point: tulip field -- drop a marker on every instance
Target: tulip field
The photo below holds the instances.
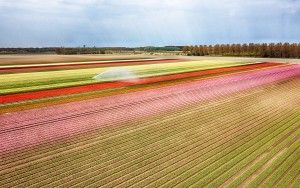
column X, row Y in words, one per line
column 150, row 122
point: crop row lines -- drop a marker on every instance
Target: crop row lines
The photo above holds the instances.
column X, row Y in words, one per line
column 113, row 129
column 175, row 168
column 246, row 176
column 123, row 142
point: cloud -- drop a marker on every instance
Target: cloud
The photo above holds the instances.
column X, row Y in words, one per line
column 149, row 22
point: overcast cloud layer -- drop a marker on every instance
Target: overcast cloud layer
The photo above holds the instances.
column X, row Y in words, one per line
column 146, row 22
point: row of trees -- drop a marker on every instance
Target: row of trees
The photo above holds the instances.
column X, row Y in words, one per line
column 278, row 50
column 72, row 51
column 88, row 50
column 27, row 50
column 65, row 50
column 160, row 49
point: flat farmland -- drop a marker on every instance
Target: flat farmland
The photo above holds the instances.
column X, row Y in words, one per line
column 42, row 59
column 150, row 122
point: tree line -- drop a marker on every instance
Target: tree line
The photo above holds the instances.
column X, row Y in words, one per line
column 273, row 50
column 49, row 50
column 276, row 50
column 65, row 50
column 88, row 50
column 109, row 50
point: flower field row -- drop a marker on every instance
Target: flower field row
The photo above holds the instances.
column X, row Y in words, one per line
column 108, row 85
column 214, row 125
column 36, row 81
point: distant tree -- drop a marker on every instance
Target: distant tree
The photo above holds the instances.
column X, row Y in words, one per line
column 286, row 53
column 251, row 49
column 270, row 50
column 217, row 49
column 238, row 49
column 194, row 50
column 205, row 50
column 244, row 50
column 263, row 50
column 186, row 50
column 210, row 50
column 298, row 50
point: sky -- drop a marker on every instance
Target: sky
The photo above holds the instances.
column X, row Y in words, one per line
column 132, row 23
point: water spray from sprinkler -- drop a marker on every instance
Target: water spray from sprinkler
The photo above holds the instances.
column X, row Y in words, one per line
column 117, row 74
